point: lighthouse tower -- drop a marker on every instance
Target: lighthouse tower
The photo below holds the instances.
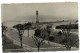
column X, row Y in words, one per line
column 37, row 19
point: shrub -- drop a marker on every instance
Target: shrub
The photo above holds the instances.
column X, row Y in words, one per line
column 51, row 38
column 63, row 41
column 37, row 32
column 59, row 33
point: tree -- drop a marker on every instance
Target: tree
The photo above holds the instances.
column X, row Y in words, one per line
column 68, row 40
column 59, row 33
column 38, row 38
column 48, row 31
column 68, row 30
column 69, row 43
column 51, row 38
column 4, row 29
column 62, row 28
column 27, row 26
column 37, row 33
column 20, row 29
column 38, row 42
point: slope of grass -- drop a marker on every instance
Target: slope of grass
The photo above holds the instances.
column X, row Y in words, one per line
column 9, row 46
column 59, row 39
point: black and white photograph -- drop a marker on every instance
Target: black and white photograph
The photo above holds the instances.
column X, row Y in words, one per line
column 40, row 27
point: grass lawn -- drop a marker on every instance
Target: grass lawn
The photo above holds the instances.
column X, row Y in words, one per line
column 9, row 46
column 58, row 39
column 30, row 42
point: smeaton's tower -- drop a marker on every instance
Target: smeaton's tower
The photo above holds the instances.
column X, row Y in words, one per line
column 37, row 19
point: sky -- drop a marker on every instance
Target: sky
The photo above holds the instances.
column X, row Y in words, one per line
column 47, row 11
